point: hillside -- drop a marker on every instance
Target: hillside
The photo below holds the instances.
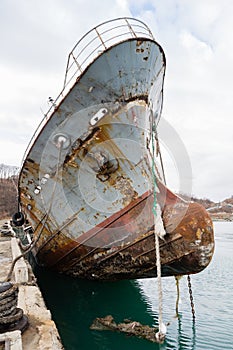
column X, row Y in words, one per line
column 222, row 210
column 218, row 211
column 8, row 190
column 8, row 197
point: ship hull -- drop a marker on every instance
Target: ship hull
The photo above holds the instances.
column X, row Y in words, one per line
column 187, row 247
column 86, row 185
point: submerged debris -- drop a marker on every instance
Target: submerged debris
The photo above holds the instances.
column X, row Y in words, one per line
column 129, row 327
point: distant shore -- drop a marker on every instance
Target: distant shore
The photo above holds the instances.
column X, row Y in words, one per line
column 222, row 217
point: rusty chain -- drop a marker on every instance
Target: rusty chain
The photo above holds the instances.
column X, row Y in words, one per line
column 191, row 297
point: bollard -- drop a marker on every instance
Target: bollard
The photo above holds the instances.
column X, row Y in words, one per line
column 11, row 317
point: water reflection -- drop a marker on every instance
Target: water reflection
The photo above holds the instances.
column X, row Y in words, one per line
column 76, row 303
column 181, row 331
column 186, row 340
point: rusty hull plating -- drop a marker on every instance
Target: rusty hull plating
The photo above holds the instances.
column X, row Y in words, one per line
column 86, row 184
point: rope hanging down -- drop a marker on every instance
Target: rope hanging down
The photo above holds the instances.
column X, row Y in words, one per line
column 158, row 152
column 158, row 232
column 177, row 278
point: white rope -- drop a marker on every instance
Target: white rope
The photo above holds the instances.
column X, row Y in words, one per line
column 160, row 335
column 158, row 232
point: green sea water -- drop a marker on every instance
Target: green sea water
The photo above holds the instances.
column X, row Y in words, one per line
column 74, row 304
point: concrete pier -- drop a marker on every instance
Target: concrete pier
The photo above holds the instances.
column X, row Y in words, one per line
column 42, row 333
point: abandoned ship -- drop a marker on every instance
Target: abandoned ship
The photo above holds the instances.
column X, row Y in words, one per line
column 89, row 185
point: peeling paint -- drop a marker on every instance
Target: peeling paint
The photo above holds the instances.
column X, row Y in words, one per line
column 90, row 202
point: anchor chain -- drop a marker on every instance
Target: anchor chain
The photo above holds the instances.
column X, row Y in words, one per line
column 191, row 297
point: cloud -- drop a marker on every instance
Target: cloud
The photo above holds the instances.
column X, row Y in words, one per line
column 196, row 37
column 36, row 38
column 198, row 50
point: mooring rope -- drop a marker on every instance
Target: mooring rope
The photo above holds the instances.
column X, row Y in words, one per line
column 158, row 152
column 44, row 218
column 177, row 278
column 160, row 335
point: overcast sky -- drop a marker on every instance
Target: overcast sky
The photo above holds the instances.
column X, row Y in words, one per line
column 196, row 35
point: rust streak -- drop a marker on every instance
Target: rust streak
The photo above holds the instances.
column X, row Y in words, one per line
column 96, row 230
column 67, row 223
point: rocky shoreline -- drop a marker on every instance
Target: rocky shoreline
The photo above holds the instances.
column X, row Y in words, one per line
column 222, row 217
column 219, row 211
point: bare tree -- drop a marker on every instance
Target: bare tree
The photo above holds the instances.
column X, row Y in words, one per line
column 8, row 190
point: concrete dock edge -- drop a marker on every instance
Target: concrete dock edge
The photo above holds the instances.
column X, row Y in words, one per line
column 42, row 333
